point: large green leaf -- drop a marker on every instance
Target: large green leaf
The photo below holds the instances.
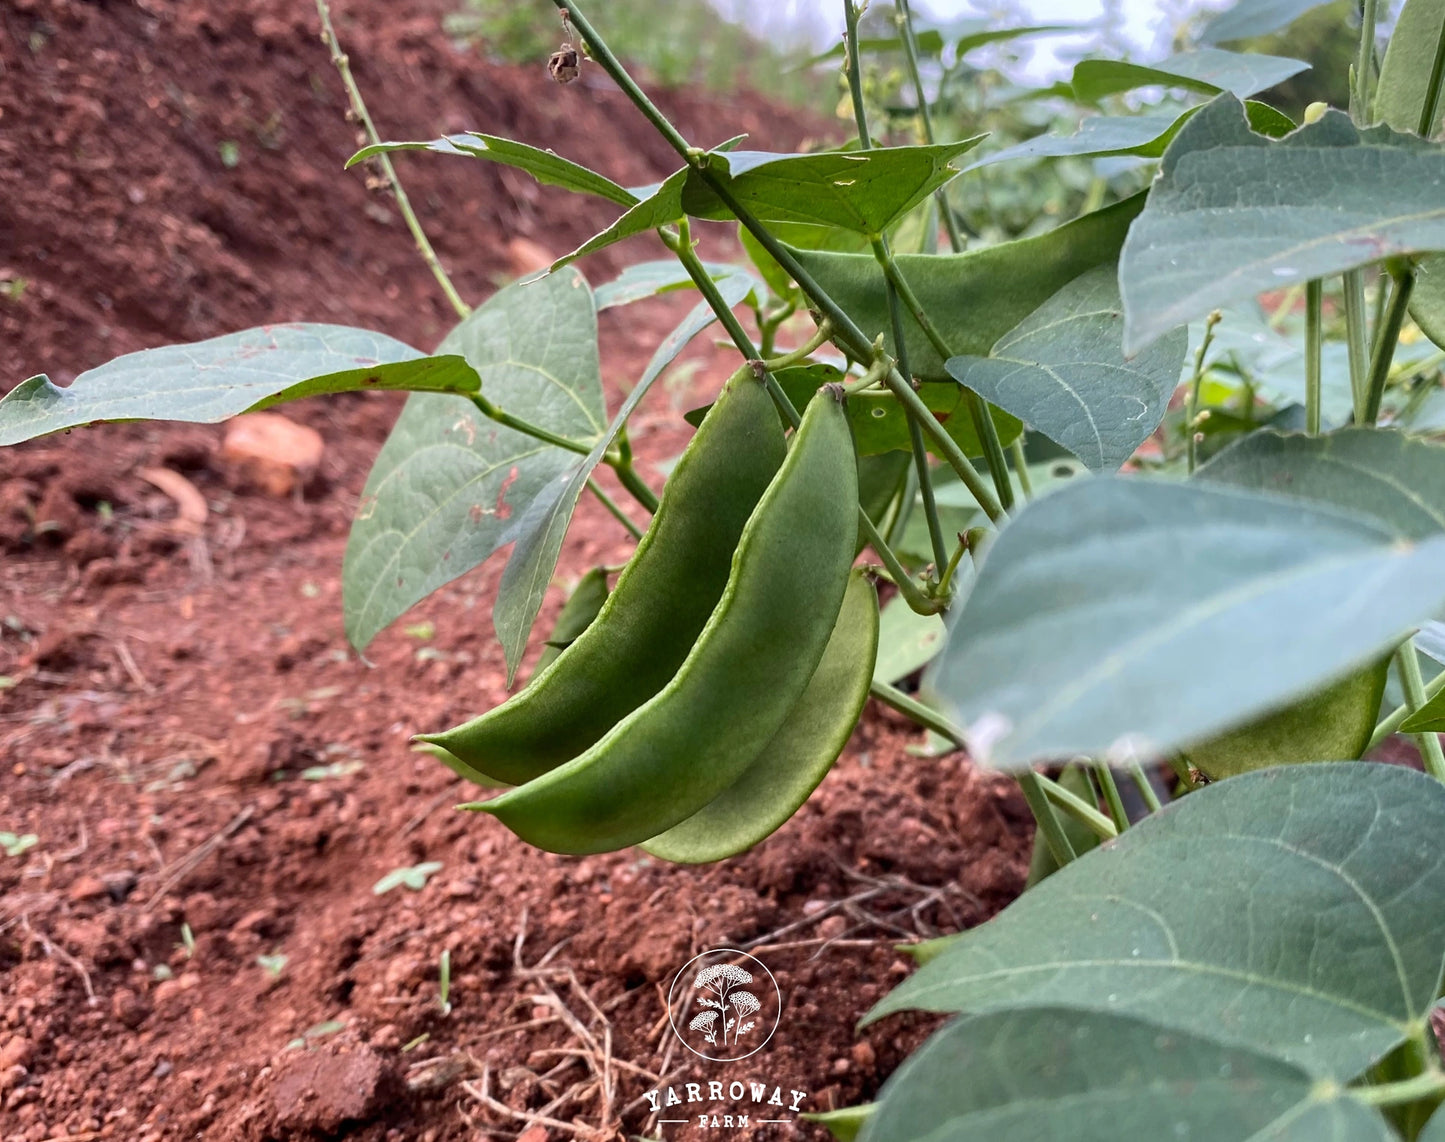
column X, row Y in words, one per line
column 1409, row 60
column 1234, row 214
column 1206, row 70
column 1125, row 618
column 1062, row 370
column 1053, row 1074
column 540, row 530
column 862, row 191
column 545, row 166
column 450, row 484
column 1312, row 926
column 907, row 641
column 662, row 205
column 208, row 381
column 1251, row 18
column 1429, row 718
column 1143, row 136
column 976, row 297
column 1396, row 480
column 1427, row 303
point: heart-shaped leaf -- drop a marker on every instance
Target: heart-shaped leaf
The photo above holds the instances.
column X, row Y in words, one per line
column 1313, row 928
column 976, row 297
column 1206, row 70
column 444, row 491
column 1062, row 370
column 1054, row 1074
column 1126, row 618
column 543, row 526
column 1396, row 480
column 209, row 381
column 1234, row 214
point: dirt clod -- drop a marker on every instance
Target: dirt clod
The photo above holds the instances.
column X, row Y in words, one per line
column 319, row 1092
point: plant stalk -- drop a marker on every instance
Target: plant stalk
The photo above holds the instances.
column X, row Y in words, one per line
column 1387, row 338
column 612, row 506
column 1314, row 335
column 1191, row 409
column 1105, row 776
column 1358, row 332
column 904, row 21
column 358, row 108
column 1048, row 820
column 1364, row 64
column 1021, row 467
column 1408, row 663
column 1430, row 110
column 1422, row 1086
column 1145, row 786
column 1391, row 722
column 1078, row 808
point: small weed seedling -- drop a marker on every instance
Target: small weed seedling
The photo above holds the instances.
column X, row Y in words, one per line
column 1246, row 313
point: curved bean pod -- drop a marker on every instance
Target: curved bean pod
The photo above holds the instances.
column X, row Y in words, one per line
column 751, row 664
column 790, row 767
column 661, row 602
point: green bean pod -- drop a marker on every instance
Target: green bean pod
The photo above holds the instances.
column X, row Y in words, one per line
column 790, row 767
column 751, row 664
column 661, row 602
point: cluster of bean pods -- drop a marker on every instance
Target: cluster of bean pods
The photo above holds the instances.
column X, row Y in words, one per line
column 721, row 678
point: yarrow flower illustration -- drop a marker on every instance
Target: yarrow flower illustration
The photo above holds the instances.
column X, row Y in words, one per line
column 724, row 980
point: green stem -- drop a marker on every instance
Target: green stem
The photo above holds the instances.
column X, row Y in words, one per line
column 820, row 338
column 1364, row 64
column 1387, row 338
column 917, row 601
column 1145, row 786
column 916, row 711
column 1314, row 334
column 628, row 477
column 915, row 432
column 1181, row 771
column 536, row 431
column 1392, row 721
column 1021, row 467
column 363, row 116
column 983, row 425
column 1191, row 409
column 1047, row 818
column 1117, row 812
column 1359, row 340
column 1426, row 1085
column 1408, row 663
column 904, row 21
column 612, row 506
column 1076, row 807
column 1431, row 107
column 855, row 77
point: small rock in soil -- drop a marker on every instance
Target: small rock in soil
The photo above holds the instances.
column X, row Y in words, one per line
column 269, row 452
column 322, row 1091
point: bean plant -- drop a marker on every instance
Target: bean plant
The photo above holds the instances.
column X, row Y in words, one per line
column 1247, row 610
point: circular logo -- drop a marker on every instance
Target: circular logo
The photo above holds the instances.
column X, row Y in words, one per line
column 724, row 1005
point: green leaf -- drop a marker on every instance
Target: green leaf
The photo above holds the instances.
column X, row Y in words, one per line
column 862, row 191
column 1333, row 724
column 1251, row 18
column 1062, row 370
column 1434, row 1129
column 928, row 41
column 1143, row 136
column 1427, row 303
column 1409, row 60
column 1042, row 864
column 842, row 1124
column 967, row 43
column 663, row 204
column 976, row 297
column 545, row 166
column 414, row 878
column 1396, row 480
column 1053, row 1074
column 1312, row 927
column 1205, row 70
column 1429, row 718
column 649, row 279
column 907, row 641
column 450, row 485
column 1233, row 214
column 209, row 381
column 538, row 534
column 1125, row 618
